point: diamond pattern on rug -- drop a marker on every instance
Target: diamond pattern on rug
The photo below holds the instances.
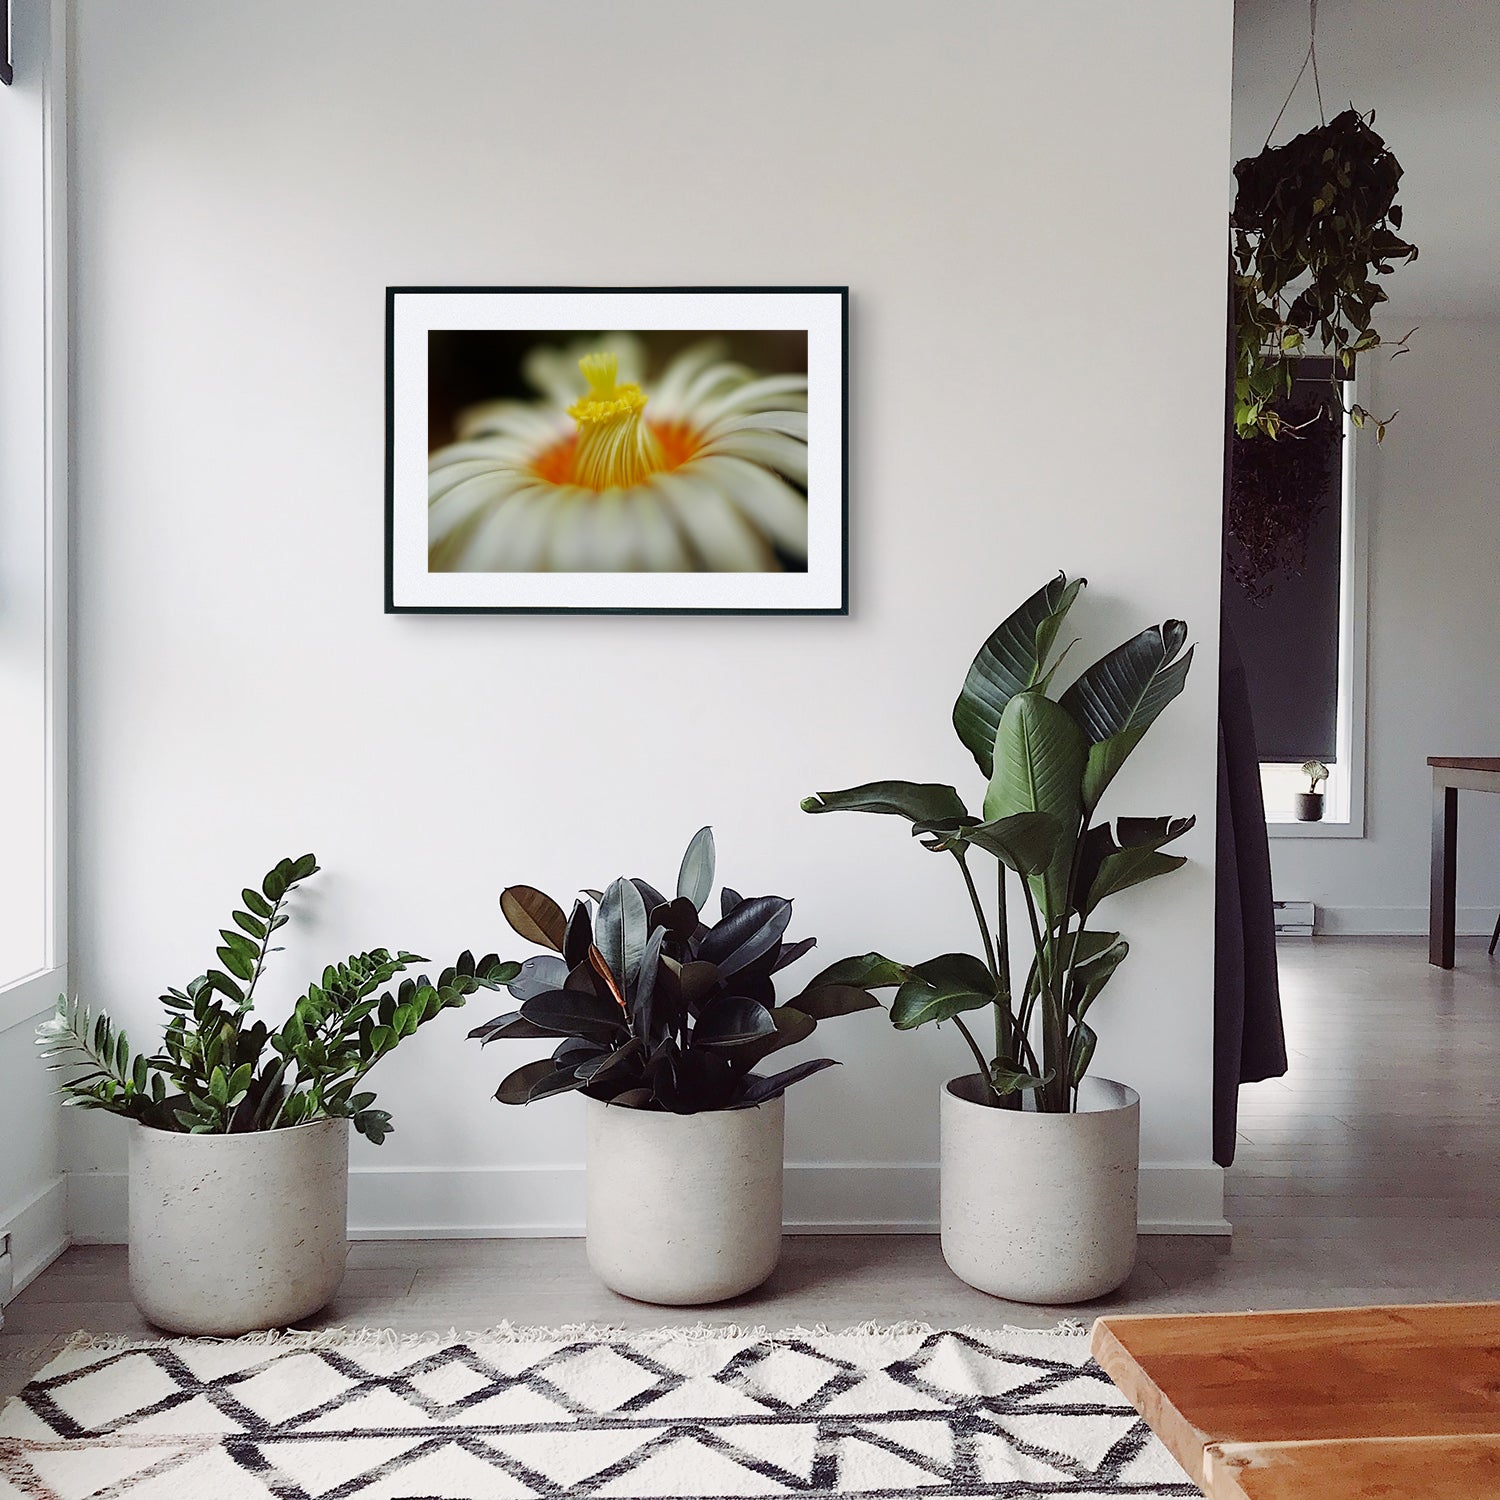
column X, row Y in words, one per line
column 681, row 1414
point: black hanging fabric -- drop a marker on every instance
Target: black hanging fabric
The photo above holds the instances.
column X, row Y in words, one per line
column 1249, row 1043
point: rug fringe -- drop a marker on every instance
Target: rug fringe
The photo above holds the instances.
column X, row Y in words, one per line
column 292, row 1339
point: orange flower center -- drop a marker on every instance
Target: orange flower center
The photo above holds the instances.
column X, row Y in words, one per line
column 613, row 445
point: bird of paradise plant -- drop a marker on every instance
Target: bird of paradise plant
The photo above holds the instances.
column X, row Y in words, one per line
column 1048, row 762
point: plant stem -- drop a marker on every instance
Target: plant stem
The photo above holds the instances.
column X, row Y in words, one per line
column 984, row 1067
column 1005, row 1020
column 265, row 948
column 984, row 930
column 1052, row 1058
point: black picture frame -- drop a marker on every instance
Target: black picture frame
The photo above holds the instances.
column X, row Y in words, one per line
column 833, row 570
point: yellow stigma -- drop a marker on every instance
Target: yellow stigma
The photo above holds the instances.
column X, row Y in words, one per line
column 615, row 448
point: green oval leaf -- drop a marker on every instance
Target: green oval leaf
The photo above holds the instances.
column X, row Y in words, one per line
column 695, row 878
column 919, row 801
column 940, row 989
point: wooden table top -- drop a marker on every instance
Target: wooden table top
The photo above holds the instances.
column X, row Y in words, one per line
column 1331, row 1376
column 1465, row 762
column 1434, row 1468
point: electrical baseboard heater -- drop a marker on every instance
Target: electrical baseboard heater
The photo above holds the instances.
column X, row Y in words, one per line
column 1295, row 918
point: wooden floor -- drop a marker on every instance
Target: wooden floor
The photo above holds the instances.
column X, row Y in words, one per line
column 1370, row 1174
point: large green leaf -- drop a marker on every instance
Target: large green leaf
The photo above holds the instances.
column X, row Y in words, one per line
column 1006, row 1078
column 920, row 801
column 868, row 971
column 1040, row 756
column 695, row 878
column 1114, row 859
column 1013, row 660
column 1025, row 842
column 828, row 1000
column 1118, row 698
column 1099, row 955
column 940, row 989
column 1080, row 1052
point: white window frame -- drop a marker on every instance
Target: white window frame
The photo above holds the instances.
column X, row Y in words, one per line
column 1344, row 791
column 40, row 50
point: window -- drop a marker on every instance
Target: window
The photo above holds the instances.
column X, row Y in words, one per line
column 1295, row 597
column 33, row 548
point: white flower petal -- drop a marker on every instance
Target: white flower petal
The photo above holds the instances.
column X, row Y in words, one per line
column 443, row 479
column 512, row 538
column 766, row 500
column 457, row 504
column 512, row 419
column 660, row 544
column 774, row 392
column 792, row 423
column 667, row 392
column 712, row 380
column 496, row 450
column 594, row 532
column 719, row 534
column 772, row 449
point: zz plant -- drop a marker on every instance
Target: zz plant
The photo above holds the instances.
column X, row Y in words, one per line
column 1047, row 762
column 221, row 1071
column 656, row 1009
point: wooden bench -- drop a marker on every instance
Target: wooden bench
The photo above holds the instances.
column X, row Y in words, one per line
column 1341, row 1404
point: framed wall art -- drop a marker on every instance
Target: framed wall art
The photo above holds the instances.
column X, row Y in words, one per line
column 665, row 450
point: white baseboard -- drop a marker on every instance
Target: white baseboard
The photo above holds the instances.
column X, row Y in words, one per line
column 1399, row 921
column 38, row 1229
column 537, row 1202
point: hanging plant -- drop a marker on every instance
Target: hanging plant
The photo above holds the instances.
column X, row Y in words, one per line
column 1278, row 492
column 1314, row 225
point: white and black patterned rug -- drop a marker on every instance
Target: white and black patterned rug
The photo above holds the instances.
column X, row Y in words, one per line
column 906, row 1411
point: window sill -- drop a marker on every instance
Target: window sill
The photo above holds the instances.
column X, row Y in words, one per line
column 1327, row 828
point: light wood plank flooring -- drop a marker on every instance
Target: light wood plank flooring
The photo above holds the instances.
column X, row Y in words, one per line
column 1370, row 1173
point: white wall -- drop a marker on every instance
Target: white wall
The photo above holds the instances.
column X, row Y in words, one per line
column 1434, row 666
column 1028, row 204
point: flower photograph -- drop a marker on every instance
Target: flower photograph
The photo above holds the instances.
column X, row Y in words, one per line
column 687, row 464
column 658, row 452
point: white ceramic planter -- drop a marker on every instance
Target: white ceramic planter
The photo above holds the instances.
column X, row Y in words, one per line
column 1041, row 1207
column 684, row 1209
column 230, row 1233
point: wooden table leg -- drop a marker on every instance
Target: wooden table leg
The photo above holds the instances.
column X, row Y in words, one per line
column 1443, row 898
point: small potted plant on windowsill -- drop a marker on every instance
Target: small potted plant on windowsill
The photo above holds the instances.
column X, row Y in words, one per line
column 239, row 1135
column 1308, row 805
column 662, row 1020
column 1039, row 1161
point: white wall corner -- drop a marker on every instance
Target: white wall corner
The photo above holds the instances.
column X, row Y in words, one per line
column 542, row 1202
